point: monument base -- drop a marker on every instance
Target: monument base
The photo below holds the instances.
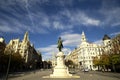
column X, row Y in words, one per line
column 60, row 70
column 61, row 76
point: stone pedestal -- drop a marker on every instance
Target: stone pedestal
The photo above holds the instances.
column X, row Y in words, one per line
column 60, row 69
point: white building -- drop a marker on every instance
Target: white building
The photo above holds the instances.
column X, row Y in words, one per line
column 86, row 52
column 54, row 60
column 73, row 56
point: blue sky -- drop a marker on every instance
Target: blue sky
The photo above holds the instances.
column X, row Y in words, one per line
column 46, row 20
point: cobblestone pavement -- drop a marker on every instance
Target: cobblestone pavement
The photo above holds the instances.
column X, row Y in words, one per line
column 93, row 75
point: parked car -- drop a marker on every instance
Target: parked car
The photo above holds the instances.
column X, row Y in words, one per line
column 72, row 72
column 85, row 70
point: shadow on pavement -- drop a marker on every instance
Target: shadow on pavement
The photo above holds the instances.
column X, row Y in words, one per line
column 109, row 74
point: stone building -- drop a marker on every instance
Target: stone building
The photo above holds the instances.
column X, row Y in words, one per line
column 54, row 60
column 2, row 57
column 84, row 54
column 111, row 46
column 107, row 44
column 25, row 49
column 115, row 42
column 73, row 56
column 2, row 45
column 2, row 48
column 87, row 51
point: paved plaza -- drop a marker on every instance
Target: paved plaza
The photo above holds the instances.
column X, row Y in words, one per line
column 92, row 75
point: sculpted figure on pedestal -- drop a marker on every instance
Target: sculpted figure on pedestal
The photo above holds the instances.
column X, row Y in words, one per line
column 60, row 45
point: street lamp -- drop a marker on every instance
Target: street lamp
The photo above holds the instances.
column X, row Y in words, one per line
column 43, row 64
column 9, row 63
column 35, row 65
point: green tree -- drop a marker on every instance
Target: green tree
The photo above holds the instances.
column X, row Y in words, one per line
column 16, row 61
column 115, row 59
column 69, row 63
column 96, row 61
column 105, row 59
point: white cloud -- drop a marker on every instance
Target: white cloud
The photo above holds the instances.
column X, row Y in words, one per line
column 98, row 42
column 18, row 25
column 71, row 39
column 12, row 24
column 46, row 22
column 116, row 33
column 89, row 21
column 115, row 24
column 110, row 11
column 50, row 48
column 58, row 25
column 6, row 29
column 79, row 17
column 47, row 52
column 39, row 21
column 66, row 50
column 27, row 21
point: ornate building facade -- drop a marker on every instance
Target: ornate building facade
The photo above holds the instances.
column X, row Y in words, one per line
column 116, row 44
column 25, row 49
column 84, row 54
column 107, row 44
column 111, row 46
column 73, row 56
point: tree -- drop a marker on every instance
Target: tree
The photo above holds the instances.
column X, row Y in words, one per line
column 16, row 62
column 105, row 59
column 69, row 63
column 115, row 59
column 3, row 58
column 115, row 53
column 96, row 61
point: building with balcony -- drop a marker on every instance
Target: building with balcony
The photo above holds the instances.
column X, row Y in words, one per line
column 25, row 49
column 107, row 44
column 84, row 54
column 73, row 56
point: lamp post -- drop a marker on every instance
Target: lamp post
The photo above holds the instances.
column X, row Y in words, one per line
column 35, row 65
column 43, row 64
column 6, row 78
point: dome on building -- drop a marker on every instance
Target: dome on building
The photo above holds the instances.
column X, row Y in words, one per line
column 106, row 37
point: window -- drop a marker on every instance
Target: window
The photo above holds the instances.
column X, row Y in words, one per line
column 89, row 61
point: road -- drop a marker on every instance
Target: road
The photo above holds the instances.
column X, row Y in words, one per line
column 92, row 75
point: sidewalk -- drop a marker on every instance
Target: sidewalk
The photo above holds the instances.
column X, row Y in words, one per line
column 18, row 74
column 32, row 75
column 91, row 75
